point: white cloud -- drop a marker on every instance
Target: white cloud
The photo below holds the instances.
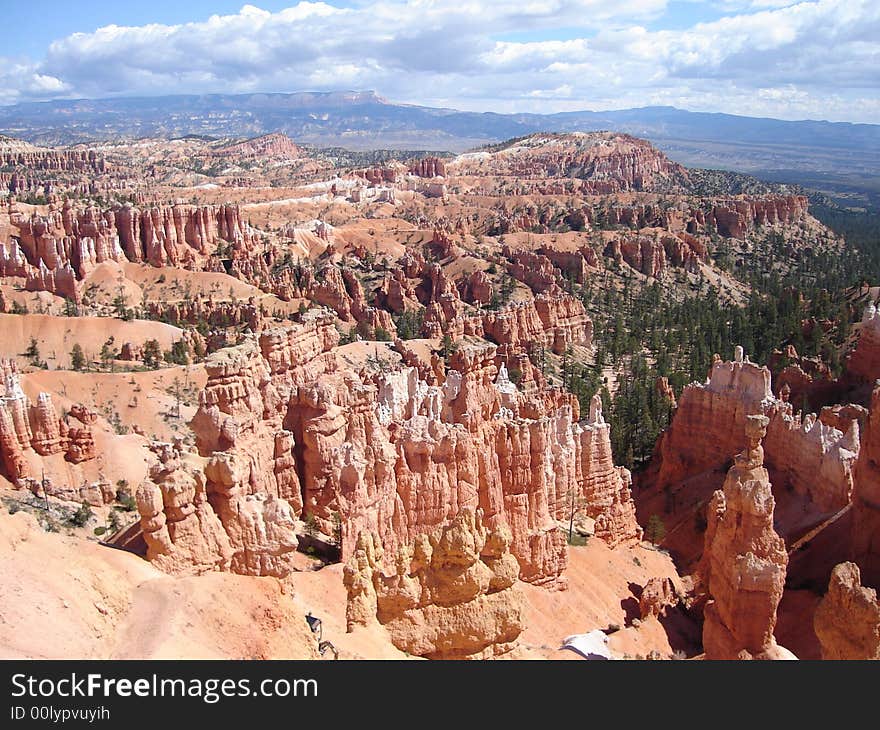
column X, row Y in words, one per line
column 816, row 59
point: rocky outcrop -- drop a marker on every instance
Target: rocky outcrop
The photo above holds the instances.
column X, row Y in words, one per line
column 231, row 403
column 392, row 455
column 866, row 500
column 665, row 391
column 863, row 363
column 710, row 419
column 534, row 270
column 56, row 250
column 261, row 527
column 802, row 379
column 196, row 520
column 602, row 488
column 14, row 464
column 398, row 457
column 451, row 595
column 554, row 322
column 601, row 162
column 27, row 428
column 735, row 218
column 658, row 595
column 381, row 175
column 428, row 167
column 276, row 145
column 685, row 250
column 744, row 560
column 180, row 528
column 847, row 620
column 644, row 254
column 222, row 314
column 577, row 265
column 50, row 160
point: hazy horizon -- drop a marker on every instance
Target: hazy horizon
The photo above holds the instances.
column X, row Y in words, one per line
column 776, row 59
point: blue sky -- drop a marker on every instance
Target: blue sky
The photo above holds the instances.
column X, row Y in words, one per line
column 813, row 59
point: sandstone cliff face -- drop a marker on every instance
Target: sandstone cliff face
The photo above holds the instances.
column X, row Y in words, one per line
column 600, row 162
column 392, row 455
column 428, row 167
column 398, row 457
column 550, row 321
column 182, row 531
column 54, row 160
column 261, row 527
column 863, row 362
column 35, row 428
column 605, row 489
column 451, row 595
column 651, row 255
column 642, row 253
column 744, row 560
column 196, row 520
column 56, row 250
column 709, row 422
column 847, row 621
column 735, row 218
column 534, row 270
column 274, row 145
column 866, row 501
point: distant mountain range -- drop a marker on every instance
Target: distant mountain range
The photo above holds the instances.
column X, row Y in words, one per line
column 837, row 157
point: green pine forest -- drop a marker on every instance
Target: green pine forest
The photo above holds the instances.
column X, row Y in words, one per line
column 647, row 331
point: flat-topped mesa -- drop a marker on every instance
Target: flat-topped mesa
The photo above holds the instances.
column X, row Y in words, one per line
column 866, row 500
column 847, row 620
column 452, row 594
column 708, row 425
column 744, row 560
column 595, row 162
column 863, row 363
column 274, row 145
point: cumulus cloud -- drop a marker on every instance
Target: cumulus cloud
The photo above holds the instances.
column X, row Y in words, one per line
column 802, row 59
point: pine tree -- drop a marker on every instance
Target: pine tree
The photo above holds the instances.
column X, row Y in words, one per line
column 152, row 353
column 655, row 530
column 77, row 357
